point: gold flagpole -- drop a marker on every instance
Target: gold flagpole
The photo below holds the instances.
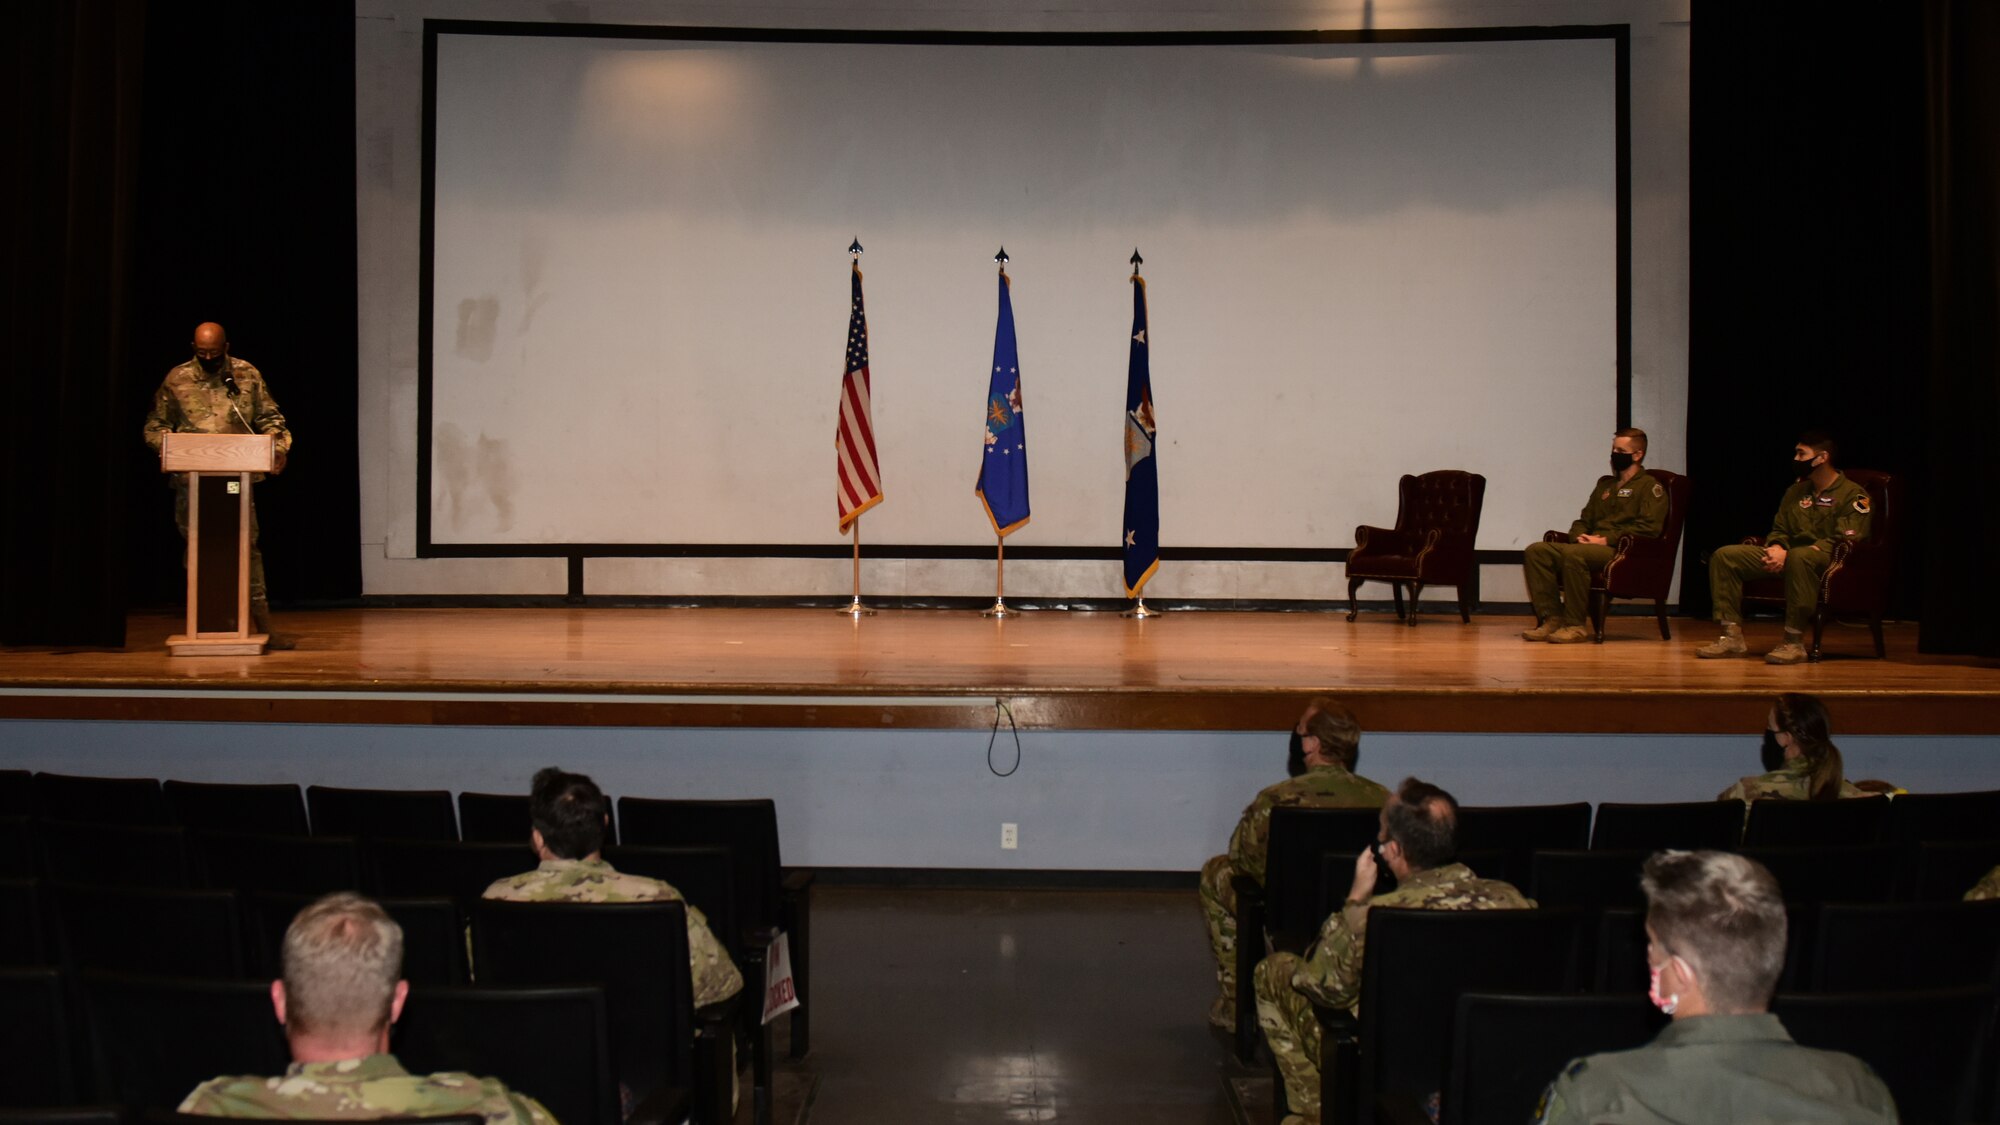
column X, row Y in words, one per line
column 999, row 581
column 855, row 608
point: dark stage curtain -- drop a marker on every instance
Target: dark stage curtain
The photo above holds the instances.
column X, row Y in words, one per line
column 1962, row 72
column 72, row 154
column 1844, row 250
column 246, row 217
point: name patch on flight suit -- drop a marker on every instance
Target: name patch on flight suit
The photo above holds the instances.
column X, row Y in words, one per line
column 1624, row 492
column 1824, row 501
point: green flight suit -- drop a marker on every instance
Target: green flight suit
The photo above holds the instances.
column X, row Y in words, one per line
column 1809, row 522
column 1634, row 507
column 1717, row 1069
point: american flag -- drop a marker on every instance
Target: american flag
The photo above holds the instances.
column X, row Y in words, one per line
column 860, row 486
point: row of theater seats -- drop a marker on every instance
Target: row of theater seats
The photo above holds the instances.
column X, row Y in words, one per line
column 87, row 1035
column 1485, row 1007
column 197, row 880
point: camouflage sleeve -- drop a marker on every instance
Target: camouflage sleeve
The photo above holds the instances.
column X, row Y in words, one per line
column 200, row 1100
column 715, row 976
column 160, row 419
column 1986, row 888
column 1735, row 792
column 1331, row 974
column 1251, row 842
column 268, row 419
column 524, row 1110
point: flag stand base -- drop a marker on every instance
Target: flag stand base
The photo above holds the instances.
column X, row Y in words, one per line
column 999, row 609
column 855, row 608
column 1140, row 611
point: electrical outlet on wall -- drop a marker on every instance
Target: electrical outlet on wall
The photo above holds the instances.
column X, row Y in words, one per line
column 1010, row 836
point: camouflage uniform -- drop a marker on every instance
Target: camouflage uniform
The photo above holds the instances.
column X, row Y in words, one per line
column 1330, row 973
column 1718, row 1068
column 191, row 401
column 1786, row 783
column 593, row 880
column 1634, row 507
column 1986, row 888
column 375, row 1086
column 1809, row 522
column 1330, row 786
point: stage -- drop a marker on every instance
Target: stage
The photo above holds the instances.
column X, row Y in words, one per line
column 1187, row 670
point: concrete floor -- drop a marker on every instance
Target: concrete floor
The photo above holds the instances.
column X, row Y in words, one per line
column 1076, row 1006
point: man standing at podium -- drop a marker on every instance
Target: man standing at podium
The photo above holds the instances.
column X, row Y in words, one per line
column 216, row 393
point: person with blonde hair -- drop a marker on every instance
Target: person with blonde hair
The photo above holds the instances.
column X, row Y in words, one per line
column 1801, row 762
column 342, row 989
column 1715, row 929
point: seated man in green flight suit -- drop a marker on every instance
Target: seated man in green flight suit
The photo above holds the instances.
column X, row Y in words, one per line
column 1823, row 508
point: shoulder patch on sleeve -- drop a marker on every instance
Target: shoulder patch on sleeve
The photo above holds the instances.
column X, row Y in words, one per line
column 1861, row 505
column 1658, row 491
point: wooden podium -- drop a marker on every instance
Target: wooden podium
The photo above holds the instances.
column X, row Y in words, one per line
column 218, row 468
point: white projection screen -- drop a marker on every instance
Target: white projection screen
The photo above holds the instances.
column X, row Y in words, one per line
column 1362, row 260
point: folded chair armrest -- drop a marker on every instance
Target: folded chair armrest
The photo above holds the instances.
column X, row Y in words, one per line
column 1339, row 1066
column 1391, row 540
column 715, row 1060
column 797, row 880
column 1555, row 536
column 1644, row 546
column 1752, row 541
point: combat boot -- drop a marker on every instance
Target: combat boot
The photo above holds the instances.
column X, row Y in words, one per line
column 1791, row 651
column 1570, row 634
column 1730, row 643
column 1541, row 632
column 260, row 616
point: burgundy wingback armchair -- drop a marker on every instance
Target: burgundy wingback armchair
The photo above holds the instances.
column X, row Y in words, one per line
column 1437, row 519
column 1643, row 566
column 1858, row 581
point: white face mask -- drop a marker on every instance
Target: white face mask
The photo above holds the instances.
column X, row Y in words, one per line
column 1666, row 1004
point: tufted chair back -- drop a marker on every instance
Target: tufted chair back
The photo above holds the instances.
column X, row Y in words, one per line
column 1447, row 499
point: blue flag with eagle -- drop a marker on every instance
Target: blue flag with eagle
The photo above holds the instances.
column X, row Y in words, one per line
column 1003, row 467
column 1142, row 471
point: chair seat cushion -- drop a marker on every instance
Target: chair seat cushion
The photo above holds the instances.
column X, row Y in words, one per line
column 1382, row 566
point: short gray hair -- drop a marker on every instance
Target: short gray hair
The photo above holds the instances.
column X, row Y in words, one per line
column 1724, row 915
column 343, row 956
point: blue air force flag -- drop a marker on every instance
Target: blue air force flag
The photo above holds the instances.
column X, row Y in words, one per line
column 1142, row 471
column 1003, row 466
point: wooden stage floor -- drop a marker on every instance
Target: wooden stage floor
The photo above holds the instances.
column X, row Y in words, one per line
column 1187, row 670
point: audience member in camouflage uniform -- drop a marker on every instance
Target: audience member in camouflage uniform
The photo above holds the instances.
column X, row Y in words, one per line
column 1418, row 839
column 1330, row 743
column 569, row 814
column 1824, row 508
column 216, row 393
column 340, row 993
column 1801, row 761
column 1986, row 888
column 1716, row 929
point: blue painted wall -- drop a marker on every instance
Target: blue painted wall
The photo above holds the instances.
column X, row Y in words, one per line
column 1089, row 800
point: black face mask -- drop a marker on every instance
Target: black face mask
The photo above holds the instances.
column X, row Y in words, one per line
column 1295, row 760
column 1804, row 467
column 210, row 365
column 1774, row 754
column 1620, row 461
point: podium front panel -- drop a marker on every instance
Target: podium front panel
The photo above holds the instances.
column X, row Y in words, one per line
column 221, row 502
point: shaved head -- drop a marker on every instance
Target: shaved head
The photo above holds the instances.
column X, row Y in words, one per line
column 209, row 337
